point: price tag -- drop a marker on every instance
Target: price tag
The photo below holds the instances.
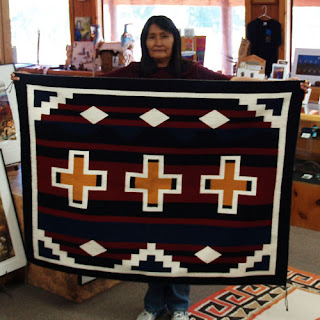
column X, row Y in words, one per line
column 306, row 135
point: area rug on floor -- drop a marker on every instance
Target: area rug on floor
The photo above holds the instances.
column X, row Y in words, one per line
column 153, row 180
column 261, row 302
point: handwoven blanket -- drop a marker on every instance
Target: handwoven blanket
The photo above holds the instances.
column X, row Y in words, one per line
column 298, row 300
column 158, row 180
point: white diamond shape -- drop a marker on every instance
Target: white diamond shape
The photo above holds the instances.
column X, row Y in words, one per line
column 94, row 115
column 154, row 117
column 93, row 248
column 207, row 254
column 214, row 119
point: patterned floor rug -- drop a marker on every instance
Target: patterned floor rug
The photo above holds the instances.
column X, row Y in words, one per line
column 261, row 302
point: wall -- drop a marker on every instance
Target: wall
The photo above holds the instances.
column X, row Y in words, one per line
column 85, row 8
column 5, row 33
column 280, row 10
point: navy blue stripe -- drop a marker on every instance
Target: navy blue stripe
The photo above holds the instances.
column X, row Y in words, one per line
column 176, row 234
column 161, row 137
column 170, row 210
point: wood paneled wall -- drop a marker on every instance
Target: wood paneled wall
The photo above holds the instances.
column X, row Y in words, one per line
column 280, row 11
column 5, row 33
column 86, row 8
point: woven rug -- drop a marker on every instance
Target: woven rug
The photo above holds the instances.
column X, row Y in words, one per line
column 153, row 180
column 262, row 302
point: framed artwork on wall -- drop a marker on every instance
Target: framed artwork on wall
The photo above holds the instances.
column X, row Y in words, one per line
column 12, row 255
column 9, row 117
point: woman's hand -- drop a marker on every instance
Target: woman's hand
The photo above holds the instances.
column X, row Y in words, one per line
column 14, row 77
column 305, row 85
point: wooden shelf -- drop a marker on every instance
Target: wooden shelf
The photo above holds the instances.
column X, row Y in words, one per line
column 315, row 94
column 60, row 72
column 305, row 206
column 308, row 149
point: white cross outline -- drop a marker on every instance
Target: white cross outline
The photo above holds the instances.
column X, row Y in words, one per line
column 70, row 170
column 236, row 193
column 144, row 174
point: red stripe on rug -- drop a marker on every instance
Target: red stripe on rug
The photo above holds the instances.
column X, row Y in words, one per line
column 167, row 124
column 171, row 221
column 80, row 252
column 221, row 260
column 192, row 248
column 182, row 112
column 143, row 245
column 106, row 244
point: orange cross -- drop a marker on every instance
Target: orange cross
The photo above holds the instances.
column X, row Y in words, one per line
column 78, row 179
column 229, row 184
column 153, row 183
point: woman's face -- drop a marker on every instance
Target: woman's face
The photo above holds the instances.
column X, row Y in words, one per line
column 159, row 44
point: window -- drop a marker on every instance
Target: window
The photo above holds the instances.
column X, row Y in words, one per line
column 305, row 24
column 51, row 19
column 221, row 52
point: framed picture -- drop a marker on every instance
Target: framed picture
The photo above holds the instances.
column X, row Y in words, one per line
column 264, row 1
column 12, row 255
column 279, row 71
column 82, row 28
column 9, row 117
column 83, row 55
column 306, row 64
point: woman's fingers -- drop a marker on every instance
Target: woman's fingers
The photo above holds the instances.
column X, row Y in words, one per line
column 305, row 85
column 14, row 77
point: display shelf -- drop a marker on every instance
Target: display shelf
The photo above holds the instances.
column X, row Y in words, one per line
column 305, row 209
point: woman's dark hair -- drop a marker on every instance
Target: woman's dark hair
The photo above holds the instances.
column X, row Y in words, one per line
column 177, row 65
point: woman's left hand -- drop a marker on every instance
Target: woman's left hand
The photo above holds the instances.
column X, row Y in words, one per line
column 305, row 85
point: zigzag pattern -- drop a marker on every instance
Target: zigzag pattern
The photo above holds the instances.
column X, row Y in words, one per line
column 245, row 302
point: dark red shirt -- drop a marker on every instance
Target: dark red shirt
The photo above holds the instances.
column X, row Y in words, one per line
column 197, row 71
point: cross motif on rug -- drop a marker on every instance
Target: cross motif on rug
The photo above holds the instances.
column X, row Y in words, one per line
column 153, row 183
column 229, row 184
column 78, row 179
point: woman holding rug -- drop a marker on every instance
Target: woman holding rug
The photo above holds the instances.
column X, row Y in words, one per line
column 161, row 59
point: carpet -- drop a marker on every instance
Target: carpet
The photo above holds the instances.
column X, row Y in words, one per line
column 158, row 180
column 263, row 302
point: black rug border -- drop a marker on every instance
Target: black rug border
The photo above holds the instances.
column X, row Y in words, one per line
column 171, row 85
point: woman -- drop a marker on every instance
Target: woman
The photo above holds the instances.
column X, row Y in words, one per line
column 161, row 58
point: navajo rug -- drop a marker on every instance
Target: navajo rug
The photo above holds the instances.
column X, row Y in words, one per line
column 178, row 180
column 299, row 300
